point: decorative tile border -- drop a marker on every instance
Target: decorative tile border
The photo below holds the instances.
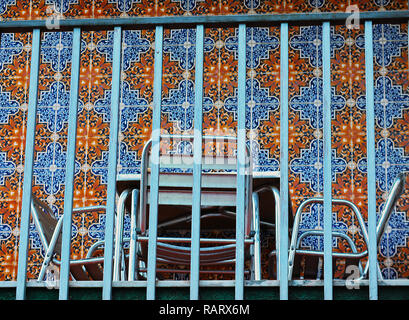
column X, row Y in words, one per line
column 71, row 9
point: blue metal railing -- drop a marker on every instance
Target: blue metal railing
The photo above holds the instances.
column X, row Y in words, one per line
column 326, row 77
column 283, row 216
column 156, row 129
column 197, row 169
column 28, row 166
column 69, row 175
column 241, row 155
column 112, row 163
column 370, row 133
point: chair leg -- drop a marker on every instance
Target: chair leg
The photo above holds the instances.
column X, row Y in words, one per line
column 257, row 262
column 120, row 212
column 271, row 263
column 133, row 263
column 45, row 264
column 255, row 265
column 256, row 254
column 123, row 266
column 50, row 249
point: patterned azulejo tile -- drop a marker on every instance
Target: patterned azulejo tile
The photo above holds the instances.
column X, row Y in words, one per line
column 74, row 9
column 220, row 105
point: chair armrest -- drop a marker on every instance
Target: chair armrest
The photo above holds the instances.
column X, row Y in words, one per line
column 334, row 202
column 94, row 247
column 297, row 219
column 89, row 209
column 342, row 235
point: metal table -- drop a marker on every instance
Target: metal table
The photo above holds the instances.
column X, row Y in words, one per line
column 265, row 198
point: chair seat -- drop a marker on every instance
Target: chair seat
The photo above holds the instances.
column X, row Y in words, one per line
column 89, row 271
column 175, row 254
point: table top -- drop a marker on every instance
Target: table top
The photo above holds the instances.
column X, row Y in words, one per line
column 125, row 181
column 266, row 205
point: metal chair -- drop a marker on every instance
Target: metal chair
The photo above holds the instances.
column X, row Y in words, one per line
column 49, row 229
column 218, row 197
column 354, row 257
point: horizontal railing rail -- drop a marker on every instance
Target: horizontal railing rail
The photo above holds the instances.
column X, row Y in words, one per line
column 307, row 18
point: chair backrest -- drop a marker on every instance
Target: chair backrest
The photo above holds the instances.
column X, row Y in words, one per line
column 395, row 193
column 46, row 223
column 211, row 180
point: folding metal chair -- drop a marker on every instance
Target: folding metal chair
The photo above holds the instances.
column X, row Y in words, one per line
column 49, row 229
column 311, row 257
column 218, row 199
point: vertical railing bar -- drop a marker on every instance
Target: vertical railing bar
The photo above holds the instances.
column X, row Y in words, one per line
column 284, row 205
column 370, row 132
column 154, row 183
column 119, row 221
column 197, row 166
column 241, row 163
column 28, row 167
column 112, row 165
column 326, row 74
column 70, row 171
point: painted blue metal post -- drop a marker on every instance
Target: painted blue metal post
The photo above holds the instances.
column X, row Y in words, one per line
column 154, row 183
column 370, row 138
column 283, row 236
column 241, row 163
column 70, row 171
column 28, row 167
column 112, row 165
column 326, row 74
column 197, row 167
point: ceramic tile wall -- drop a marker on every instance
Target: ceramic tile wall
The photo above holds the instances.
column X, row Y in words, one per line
column 40, row 9
column 220, row 103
